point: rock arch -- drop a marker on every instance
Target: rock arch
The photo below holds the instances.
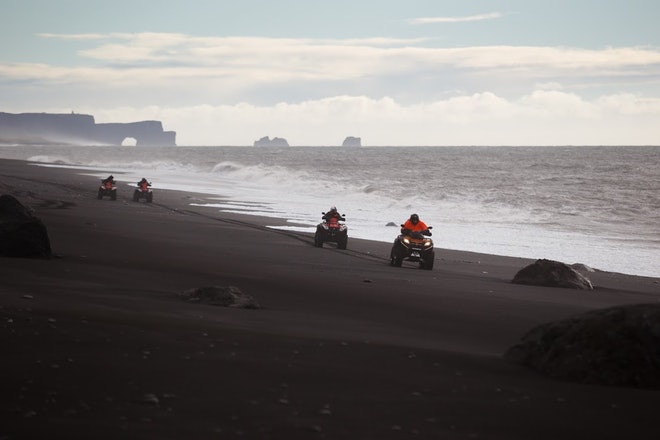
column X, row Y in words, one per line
column 80, row 130
column 145, row 133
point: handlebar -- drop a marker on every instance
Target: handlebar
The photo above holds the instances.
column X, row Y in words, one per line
column 341, row 218
column 426, row 232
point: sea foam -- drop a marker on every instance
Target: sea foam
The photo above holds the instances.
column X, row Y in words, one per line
column 577, row 205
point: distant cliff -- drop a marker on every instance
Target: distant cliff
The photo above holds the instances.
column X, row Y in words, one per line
column 267, row 142
column 76, row 129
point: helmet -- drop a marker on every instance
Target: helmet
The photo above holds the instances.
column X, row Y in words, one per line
column 333, row 208
column 111, row 177
column 414, row 218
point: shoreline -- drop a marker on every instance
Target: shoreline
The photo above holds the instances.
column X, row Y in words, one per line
column 607, row 244
column 275, row 222
column 97, row 342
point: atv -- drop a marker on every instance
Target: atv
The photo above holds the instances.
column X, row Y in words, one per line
column 415, row 247
column 143, row 192
column 107, row 188
column 333, row 231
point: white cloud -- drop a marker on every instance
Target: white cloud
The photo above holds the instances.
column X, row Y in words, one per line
column 78, row 37
column 432, row 20
column 179, row 49
column 549, row 86
column 556, row 105
column 243, row 63
column 233, row 90
column 540, row 118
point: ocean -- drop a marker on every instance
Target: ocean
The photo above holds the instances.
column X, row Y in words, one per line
column 598, row 206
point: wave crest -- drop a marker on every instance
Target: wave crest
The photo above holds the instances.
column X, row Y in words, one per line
column 59, row 160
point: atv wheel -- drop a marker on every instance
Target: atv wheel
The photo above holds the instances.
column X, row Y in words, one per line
column 113, row 196
column 100, row 196
column 342, row 243
column 150, row 198
column 428, row 263
column 318, row 238
column 395, row 259
column 136, row 196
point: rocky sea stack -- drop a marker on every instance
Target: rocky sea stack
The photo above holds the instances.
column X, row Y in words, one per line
column 268, row 142
column 351, row 141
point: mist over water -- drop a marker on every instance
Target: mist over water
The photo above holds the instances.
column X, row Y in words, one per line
column 599, row 206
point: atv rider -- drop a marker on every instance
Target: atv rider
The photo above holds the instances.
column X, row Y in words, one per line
column 332, row 213
column 143, row 184
column 110, row 179
column 414, row 224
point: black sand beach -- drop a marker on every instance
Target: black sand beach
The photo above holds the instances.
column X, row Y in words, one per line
column 98, row 343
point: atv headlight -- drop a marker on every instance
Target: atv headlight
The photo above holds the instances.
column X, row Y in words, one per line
column 427, row 243
column 406, row 240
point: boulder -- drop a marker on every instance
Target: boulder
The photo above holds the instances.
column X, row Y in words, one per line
column 550, row 273
column 582, row 268
column 230, row 296
column 21, row 234
column 617, row 346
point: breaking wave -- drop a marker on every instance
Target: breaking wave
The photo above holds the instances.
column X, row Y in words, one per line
column 594, row 205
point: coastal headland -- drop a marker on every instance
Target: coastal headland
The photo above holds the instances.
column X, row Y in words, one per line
column 98, row 342
column 78, row 129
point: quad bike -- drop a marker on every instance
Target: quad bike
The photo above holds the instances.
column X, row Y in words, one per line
column 333, row 231
column 143, row 192
column 415, row 247
column 107, row 188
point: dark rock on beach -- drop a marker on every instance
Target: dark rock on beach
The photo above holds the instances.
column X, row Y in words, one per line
column 550, row 273
column 614, row 346
column 21, row 234
column 582, row 268
column 230, row 296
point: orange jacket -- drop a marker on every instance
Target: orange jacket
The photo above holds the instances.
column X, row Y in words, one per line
column 420, row 226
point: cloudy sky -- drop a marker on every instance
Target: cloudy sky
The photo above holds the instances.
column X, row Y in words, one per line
column 413, row 72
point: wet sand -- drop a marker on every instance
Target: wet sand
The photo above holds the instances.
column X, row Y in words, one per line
column 98, row 343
